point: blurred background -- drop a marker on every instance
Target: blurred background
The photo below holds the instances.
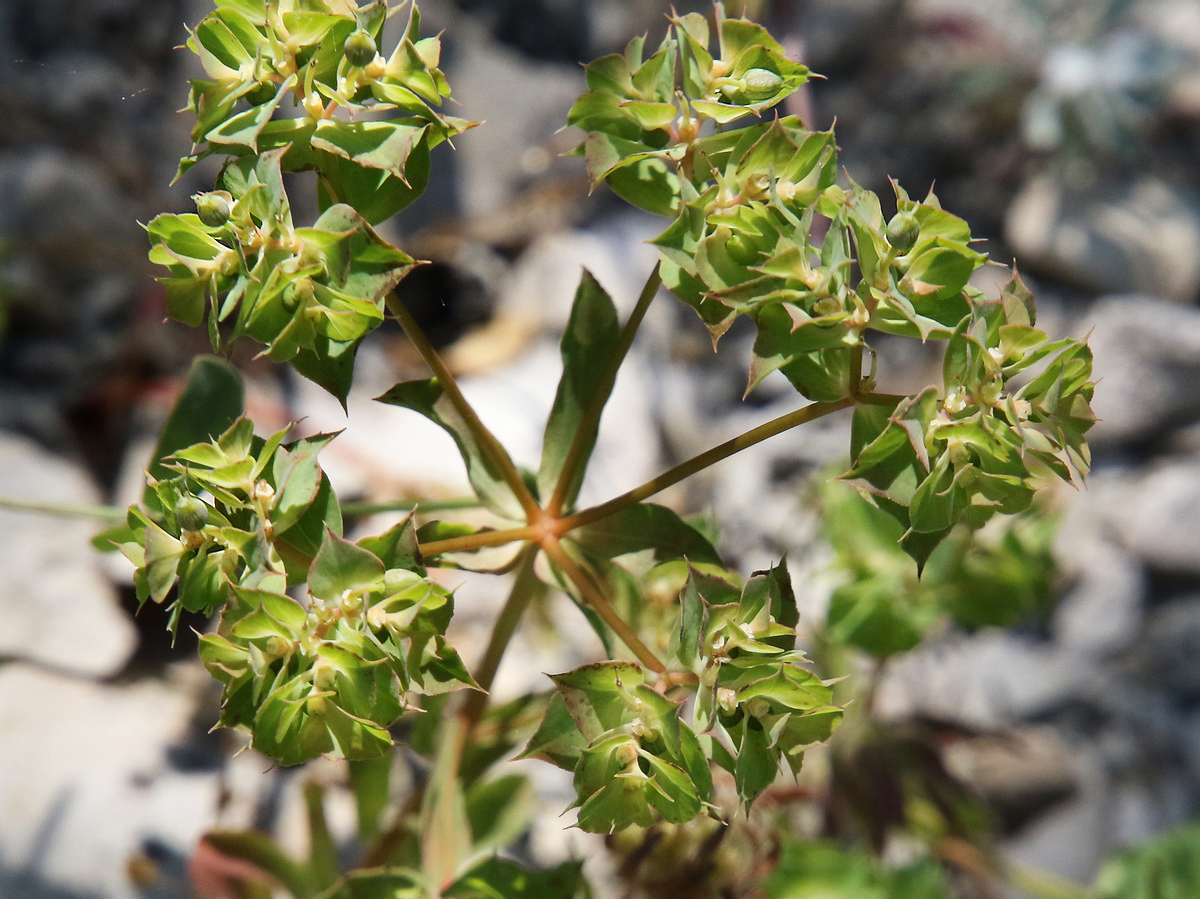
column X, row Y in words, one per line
column 1067, row 134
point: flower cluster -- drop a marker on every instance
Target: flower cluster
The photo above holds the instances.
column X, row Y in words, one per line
column 757, row 700
column 246, row 518
column 1014, row 406
column 635, row 761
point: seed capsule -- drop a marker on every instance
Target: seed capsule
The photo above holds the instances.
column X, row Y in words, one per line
column 761, row 84
column 359, row 49
column 741, row 249
column 191, row 513
column 213, row 207
column 903, row 231
column 758, row 707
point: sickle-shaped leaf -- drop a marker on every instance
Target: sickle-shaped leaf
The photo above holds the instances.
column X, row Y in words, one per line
column 588, row 346
column 428, row 398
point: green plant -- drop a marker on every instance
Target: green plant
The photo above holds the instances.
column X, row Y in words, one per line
column 323, row 644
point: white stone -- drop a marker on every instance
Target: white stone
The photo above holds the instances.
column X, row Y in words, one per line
column 85, row 782
column 58, row 608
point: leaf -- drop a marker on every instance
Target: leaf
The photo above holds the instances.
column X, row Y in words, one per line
column 328, row 364
column 377, row 883
column 589, row 345
column 1165, row 867
column 558, row 739
column 210, row 402
column 396, row 547
column 428, row 398
column 756, row 765
column 498, row 878
column 300, row 543
column 594, row 695
column 646, row 526
column 341, row 566
column 370, row 781
column 499, row 811
column 263, row 853
column 376, row 193
column 377, row 145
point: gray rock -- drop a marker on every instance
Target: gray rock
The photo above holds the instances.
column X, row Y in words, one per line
column 1165, row 658
column 522, row 104
column 57, row 607
column 62, row 201
column 1160, row 520
column 86, row 787
column 1137, row 236
column 1147, row 367
column 985, row 680
column 1101, row 613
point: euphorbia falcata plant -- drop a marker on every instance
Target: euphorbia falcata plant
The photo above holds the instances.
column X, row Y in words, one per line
column 330, row 646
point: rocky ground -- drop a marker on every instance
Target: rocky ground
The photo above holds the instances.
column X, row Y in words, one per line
column 1066, row 139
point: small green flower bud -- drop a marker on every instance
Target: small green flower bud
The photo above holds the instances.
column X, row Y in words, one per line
column 213, row 207
column 301, row 293
column 726, row 700
column 642, row 730
column 626, row 754
column 741, row 249
column 324, row 675
column 958, row 452
column 903, row 231
column 226, row 263
column 359, row 49
column 826, row 306
column 191, row 513
column 761, row 84
column 758, row 707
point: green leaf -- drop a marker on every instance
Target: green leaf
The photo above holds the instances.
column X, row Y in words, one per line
column 328, row 364
column 376, row 193
column 646, row 526
column 558, row 739
column 378, row 883
column 1165, row 867
column 259, row 850
column 396, row 547
column 808, row 869
column 377, row 145
column 370, row 782
column 210, row 402
column 876, row 616
column 594, row 695
column 428, row 398
column 300, row 543
column 499, row 811
column 342, row 566
column 756, row 765
column 498, row 878
column 589, row 343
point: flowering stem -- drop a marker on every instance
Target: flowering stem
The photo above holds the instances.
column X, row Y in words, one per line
column 594, row 597
column 590, row 423
column 488, row 443
column 481, row 540
column 524, row 590
column 704, row 460
column 100, row 513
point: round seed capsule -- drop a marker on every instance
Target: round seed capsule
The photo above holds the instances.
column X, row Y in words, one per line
column 903, row 231
column 213, row 207
column 359, row 49
column 761, row 84
column 191, row 513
